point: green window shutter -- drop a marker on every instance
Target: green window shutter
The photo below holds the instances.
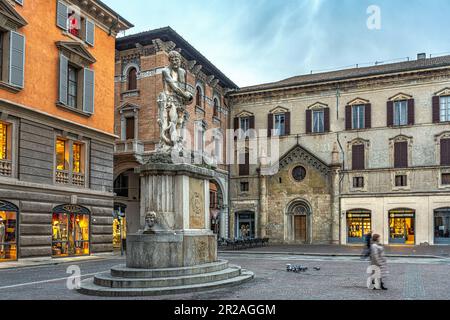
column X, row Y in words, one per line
column 88, row 93
column 63, row 74
column 90, row 32
column 17, row 59
column 61, row 15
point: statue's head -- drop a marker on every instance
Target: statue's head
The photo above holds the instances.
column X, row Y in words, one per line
column 175, row 59
column 150, row 218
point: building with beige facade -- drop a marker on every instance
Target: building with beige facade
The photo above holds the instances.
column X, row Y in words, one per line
column 359, row 149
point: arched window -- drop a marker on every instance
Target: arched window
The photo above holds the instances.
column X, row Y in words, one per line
column 132, row 79
column 198, row 97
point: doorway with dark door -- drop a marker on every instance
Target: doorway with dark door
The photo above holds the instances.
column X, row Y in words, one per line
column 300, row 228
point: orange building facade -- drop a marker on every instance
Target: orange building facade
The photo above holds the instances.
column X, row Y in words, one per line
column 57, row 136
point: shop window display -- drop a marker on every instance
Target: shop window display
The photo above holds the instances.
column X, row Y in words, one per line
column 442, row 226
column 70, row 234
column 8, row 235
column 359, row 224
column 402, row 227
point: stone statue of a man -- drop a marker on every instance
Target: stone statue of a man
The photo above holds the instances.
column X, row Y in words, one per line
column 172, row 103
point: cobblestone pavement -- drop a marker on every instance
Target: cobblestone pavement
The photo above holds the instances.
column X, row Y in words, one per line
column 340, row 278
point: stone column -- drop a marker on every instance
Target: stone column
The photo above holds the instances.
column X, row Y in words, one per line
column 262, row 205
column 335, row 196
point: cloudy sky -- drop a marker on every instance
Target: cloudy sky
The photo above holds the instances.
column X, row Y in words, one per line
column 259, row 41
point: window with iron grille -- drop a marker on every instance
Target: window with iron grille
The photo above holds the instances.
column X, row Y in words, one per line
column 358, row 182
column 401, row 181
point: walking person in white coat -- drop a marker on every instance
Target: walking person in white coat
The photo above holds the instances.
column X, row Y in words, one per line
column 378, row 260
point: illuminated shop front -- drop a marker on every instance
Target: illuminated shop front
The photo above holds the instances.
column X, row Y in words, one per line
column 402, row 226
column 245, row 225
column 119, row 225
column 442, row 226
column 70, row 231
column 8, row 231
column 359, row 224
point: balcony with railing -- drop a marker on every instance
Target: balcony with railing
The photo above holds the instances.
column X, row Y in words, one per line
column 74, row 178
column 5, row 168
column 129, row 146
column 78, row 179
column 62, row 177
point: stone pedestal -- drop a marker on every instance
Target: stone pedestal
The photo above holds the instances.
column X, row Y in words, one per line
column 179, row 252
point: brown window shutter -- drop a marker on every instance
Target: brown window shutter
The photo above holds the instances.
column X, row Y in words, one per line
column 244, row 169
column 287, row 119
column 390, row 113
column 358, row 157
column 308, row 121
column 368, row 116
column 236, row 127
column 411, row 112
column 436, row 109
column 326, row 119
column 445, row 152
column 251, row 122
column 269, row 124
column 401, row 155
column 130, row 128
column 348, row 118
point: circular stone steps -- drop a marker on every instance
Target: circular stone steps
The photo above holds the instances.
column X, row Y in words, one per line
column 122, row 271
column 126, row 282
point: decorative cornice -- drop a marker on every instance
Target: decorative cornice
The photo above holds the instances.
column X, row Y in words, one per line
column 443, row 92
column 400, row 96
column 300, row 154
column 317, row 105
column 76, row 51
column 10, row 19
column 358, row 101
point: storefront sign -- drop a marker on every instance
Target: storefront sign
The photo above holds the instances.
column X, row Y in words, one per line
column 71, row 208
column 358, row 215
column 402, row 215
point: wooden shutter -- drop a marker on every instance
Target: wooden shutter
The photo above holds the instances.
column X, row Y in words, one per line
column 63, row 75
column 368, row 116
column 445, row 152
column 308, row 121
column 130, row 128
column 348, row 118
column 90, row 32
column 401, row 155
column 269, row 124
column 244, row 169
column 358, row 157
column 236, row 127
column 436, row 109
column 251, row 122
column 326, row 119
column 88, row 92
column 390, row 113
column 287, row 119
column 61, row 15
column 411, row 112
column 17, row 62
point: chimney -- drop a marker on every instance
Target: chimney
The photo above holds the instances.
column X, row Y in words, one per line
column 421, row 56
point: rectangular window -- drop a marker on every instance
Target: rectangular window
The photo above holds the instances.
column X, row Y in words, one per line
column 244, row 186
column 446, row 179
column 244, row 124
column 358, row 157
column 445, row 152
column 77, row 163
column 400, row 113
column 280, row 125
column 121, row 186
column 358, row 117
column 72, row 85
column 318, row 121
column 445, row 109
column 129, row 128
column 401, row 181
column 358, row 182
column 3, row 141
column 61, row 155
column 401, row 154
column 244, row 164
